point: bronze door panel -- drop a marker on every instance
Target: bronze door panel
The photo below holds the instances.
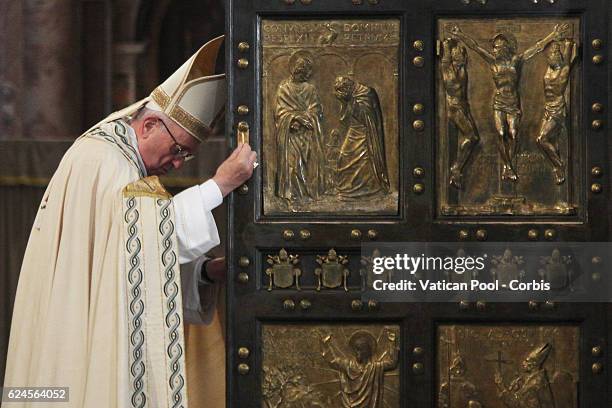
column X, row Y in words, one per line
column 330, row 116
column 508, row 93
column 330, row 365
column 393, row 121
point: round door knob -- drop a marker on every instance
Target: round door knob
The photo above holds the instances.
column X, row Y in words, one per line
column 596, row 171
column 355, row 234
column 243, row 189
column 288, row 235
column 372, row 305
column 597, row 44
column 596, row 188
column 304, row 234
column 597, row 124
column 305, row 304
column 419, row 45
column 289, row 304
column 598, row 59
column 357, row 305
column 243, row 369
column 533, row 234
column 243, row 278
column 418, row 62
column 418, row 125
column 597, row 368
column 243, row 352
column 418, row 368
column 243, row 46
column 596, row 351
column 550, row 234
column 418, row 351
column 243, row 63
column 244, row 262
column 418, row 108
column 372, row 234
column 597, row 107
column 242, row 110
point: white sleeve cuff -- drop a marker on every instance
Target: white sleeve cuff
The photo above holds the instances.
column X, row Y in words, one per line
column 211, row 195
column 196, row 231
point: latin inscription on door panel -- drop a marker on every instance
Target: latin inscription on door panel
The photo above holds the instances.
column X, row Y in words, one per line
column 508, row 366
column 330, row 116
column 508, row 116
column 331, row 366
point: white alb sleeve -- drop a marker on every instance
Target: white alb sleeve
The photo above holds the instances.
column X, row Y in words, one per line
column 196, row 233
column 196, row 230
column 199, row 298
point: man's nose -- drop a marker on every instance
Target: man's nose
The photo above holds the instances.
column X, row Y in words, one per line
column 178, row 163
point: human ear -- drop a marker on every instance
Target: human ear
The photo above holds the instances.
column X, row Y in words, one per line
column 148, row 125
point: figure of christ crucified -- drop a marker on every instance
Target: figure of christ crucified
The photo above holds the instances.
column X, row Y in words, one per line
column 506, row 65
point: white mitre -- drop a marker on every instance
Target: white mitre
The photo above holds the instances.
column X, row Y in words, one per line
column 192, row 96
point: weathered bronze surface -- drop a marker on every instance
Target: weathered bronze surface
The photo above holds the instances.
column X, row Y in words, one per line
column 535, row 366
column 332, row 272
column 556, row 270
column 331, row 366
column 330, row 116
column 508, row 116
column 283, row 272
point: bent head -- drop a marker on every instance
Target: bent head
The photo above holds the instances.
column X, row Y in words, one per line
column 459, row 55
column 363, row 345
column 162, row 143
column 504, row 46
column 301, row 70
column 553, row 54
column 343, row 88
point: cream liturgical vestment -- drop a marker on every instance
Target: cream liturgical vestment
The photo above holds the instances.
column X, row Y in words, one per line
column 101, row 301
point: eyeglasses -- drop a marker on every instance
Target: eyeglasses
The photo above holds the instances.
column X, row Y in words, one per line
column 179, row 152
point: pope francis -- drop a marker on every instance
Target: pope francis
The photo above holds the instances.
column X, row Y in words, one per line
column 113, row 263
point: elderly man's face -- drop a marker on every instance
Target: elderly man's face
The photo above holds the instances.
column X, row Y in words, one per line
column 158, row 149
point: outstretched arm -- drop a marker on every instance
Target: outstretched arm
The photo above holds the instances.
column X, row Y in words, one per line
column 473, row 45
column 391, row 359
column 446, row 52
column 540, row 45
column 569, row 51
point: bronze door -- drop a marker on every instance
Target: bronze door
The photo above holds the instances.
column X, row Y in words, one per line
column 405, row 121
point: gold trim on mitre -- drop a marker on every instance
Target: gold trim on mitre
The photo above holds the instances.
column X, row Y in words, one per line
column 187, row 98
column 190, row 123
column 147, row 187
column 160, row 97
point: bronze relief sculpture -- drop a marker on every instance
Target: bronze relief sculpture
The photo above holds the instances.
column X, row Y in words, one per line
column 362, row 167
column 512, row 366
column 513, row 155
column 454, row 74
column 298, row 119
column 561, row 56
column 330, row 366
column 330, row 127
column 506, row 64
